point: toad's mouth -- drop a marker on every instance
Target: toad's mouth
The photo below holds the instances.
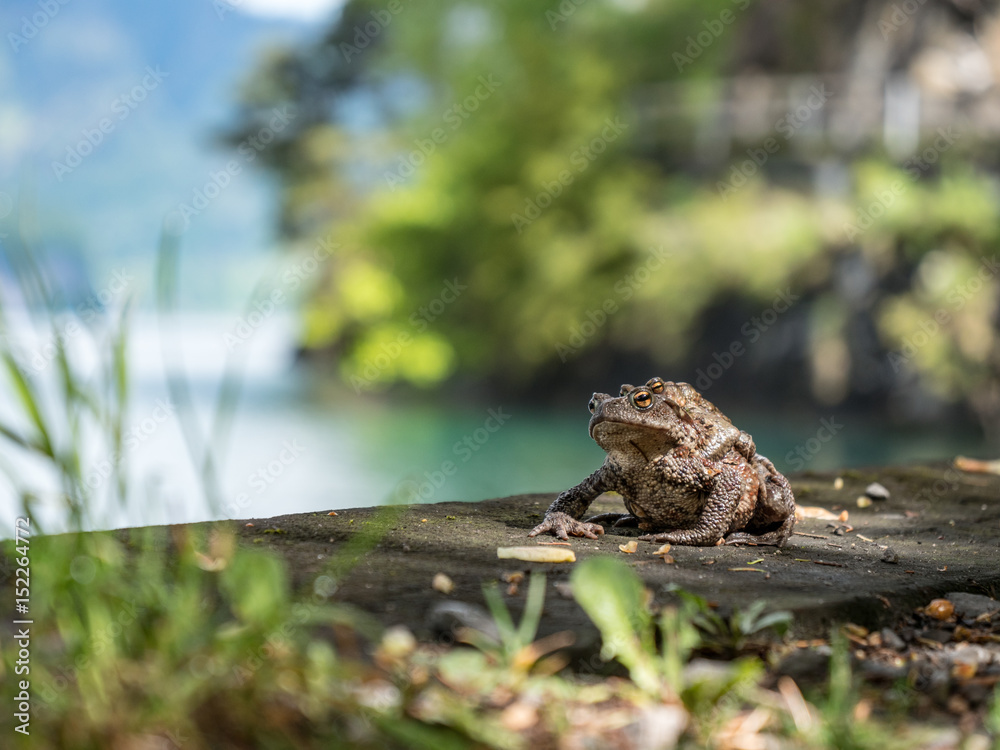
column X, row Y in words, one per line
column 603, row 427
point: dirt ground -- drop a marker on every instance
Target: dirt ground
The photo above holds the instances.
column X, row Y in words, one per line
column 938, row 532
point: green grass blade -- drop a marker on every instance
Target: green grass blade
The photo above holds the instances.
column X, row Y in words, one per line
column 29, row 400
column 612, row 596
column 532, row 614
column 13, row 436
column 501, row 616
column 177, row 385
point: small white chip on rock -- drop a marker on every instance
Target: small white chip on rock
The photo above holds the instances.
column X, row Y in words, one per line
column 443, row 583
column 664, row 550
column 537, row 554
column 629, row 548
column 876, row 491
column 838, row 483
column 864, row 501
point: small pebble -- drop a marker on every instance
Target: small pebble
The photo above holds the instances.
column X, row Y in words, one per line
column 891, row 640
column 443, row 583
column 890, row 556
column 864, row 501
column 876, row 491
column 838, row 483
column 940, row 609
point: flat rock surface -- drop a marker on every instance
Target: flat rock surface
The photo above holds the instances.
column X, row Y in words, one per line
column 940, row 526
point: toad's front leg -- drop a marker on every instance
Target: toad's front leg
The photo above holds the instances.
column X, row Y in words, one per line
column 725, row 492
column 563, row 516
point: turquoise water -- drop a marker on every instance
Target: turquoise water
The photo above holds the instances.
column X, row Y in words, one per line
column 292, row 452
column 368, row 451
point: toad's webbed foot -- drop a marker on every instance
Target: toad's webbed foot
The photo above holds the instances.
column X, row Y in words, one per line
column 562, row 525
column 618, row 520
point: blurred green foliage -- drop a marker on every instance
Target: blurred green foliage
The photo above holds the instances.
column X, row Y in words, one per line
column 184, row 638
column 508, row 148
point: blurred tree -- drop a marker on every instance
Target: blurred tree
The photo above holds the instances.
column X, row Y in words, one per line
column 515, row 187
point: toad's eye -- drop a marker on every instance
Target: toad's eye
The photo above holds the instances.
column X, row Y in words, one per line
column 655, row 385
column 641, row 398
column 592, row 405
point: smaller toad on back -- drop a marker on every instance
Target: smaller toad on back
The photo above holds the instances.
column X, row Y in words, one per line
column 685, row 472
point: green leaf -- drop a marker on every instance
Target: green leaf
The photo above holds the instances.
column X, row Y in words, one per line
column 257, row 587
column 779, row 620
column 29, row 401
column 612, row 595
column 532, row 614
column 420, row 736
column 501, row 616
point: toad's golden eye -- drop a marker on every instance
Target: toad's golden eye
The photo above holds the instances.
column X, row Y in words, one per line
column 655, row 385
column 641, row 398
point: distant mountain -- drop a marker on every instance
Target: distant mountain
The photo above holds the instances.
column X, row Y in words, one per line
column 109, row 112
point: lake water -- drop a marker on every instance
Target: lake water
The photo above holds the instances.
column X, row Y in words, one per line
column 292, row 451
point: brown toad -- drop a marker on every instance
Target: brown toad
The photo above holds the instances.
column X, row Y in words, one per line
column 685, row 472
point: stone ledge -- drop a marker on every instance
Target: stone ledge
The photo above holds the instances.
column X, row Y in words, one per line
column 943, row 526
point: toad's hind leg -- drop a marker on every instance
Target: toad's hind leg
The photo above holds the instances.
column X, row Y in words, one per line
column 619, row 520
column 775, row 537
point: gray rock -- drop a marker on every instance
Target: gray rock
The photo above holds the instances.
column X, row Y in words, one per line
column 890, row 556
column 806, row 666
column 879, row 672
column 876, row 491
column 971, row 606
column 891, row 640
column 446, row 618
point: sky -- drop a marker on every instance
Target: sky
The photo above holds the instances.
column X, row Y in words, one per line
column 109, row 117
